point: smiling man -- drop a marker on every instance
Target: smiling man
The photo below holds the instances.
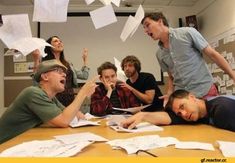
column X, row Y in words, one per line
column 183, row 107
column 37, row 105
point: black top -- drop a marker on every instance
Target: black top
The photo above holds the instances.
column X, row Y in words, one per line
column 221, row 113
column 146, row 81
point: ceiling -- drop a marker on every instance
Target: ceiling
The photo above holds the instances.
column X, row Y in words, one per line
column 124, row 3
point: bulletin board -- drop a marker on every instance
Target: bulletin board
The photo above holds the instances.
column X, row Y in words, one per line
column 14, row 83
column 225, row 45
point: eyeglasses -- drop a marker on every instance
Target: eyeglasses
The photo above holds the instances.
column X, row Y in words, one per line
column 58, row 70
column 149, row 153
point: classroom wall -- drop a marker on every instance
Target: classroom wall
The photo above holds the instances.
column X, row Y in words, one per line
column 218, row 17
column 173, row 13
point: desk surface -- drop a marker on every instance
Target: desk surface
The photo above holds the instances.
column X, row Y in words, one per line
column 201, row 133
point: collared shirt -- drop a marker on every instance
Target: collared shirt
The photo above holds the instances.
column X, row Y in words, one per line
column 101, row 104
column 185, row 62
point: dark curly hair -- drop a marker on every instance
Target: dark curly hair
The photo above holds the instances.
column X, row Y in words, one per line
column 132, row 59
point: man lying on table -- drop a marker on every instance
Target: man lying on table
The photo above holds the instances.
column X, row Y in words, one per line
column 37, row 105
column 183, row 107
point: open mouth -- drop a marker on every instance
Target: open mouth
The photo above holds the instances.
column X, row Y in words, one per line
column 62, row 81
column 150, row 34
column 190, row 116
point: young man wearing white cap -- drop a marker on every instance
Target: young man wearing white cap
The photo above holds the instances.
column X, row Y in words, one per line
column 37, row 105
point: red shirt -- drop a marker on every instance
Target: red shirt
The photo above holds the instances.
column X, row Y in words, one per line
column 101, row 104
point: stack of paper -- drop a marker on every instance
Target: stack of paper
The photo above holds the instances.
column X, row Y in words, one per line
column 141, row 127
column 82, row 122
column 132, row 145
column 46, row 148
column 85, row 136
column 194, row 145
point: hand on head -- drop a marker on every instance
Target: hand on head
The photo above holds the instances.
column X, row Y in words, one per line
column 108, row 84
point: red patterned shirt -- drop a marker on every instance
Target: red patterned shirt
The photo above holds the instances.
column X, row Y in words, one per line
column 101, row 104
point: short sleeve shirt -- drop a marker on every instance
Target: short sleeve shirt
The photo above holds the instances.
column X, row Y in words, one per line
column 145, row 82
column 185, row 62
column 31, row 108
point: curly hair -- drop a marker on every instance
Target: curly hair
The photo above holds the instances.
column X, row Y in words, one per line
column 132, row 59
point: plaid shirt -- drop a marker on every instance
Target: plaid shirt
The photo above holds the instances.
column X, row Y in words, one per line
column 101, row 104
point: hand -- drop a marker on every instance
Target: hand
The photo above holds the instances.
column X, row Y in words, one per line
column 165, row 98
column 80, row 115
column 108, row 85
column 36, row 55
column 36, row 58
column 131, row 122
column 89, row 87
column 85, row 56
column 125, row 85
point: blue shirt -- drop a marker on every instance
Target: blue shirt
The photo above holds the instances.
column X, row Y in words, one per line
column 185, row 62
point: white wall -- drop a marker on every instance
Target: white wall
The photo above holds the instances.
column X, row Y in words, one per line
column 218, row 18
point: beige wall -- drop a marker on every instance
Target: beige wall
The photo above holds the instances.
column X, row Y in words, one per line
column 218, row 17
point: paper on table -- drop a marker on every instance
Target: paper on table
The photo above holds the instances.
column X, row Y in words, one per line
column 82, row 122
column 227, row 148
column 85, row 136
column 50, row 11
column 141, row 127
column 45, row 148
column 90, row 116
column 133, row 109
column 132, row 145
column 14, row 27
column 194, row 145
column 115, row 120
column 103, row 16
